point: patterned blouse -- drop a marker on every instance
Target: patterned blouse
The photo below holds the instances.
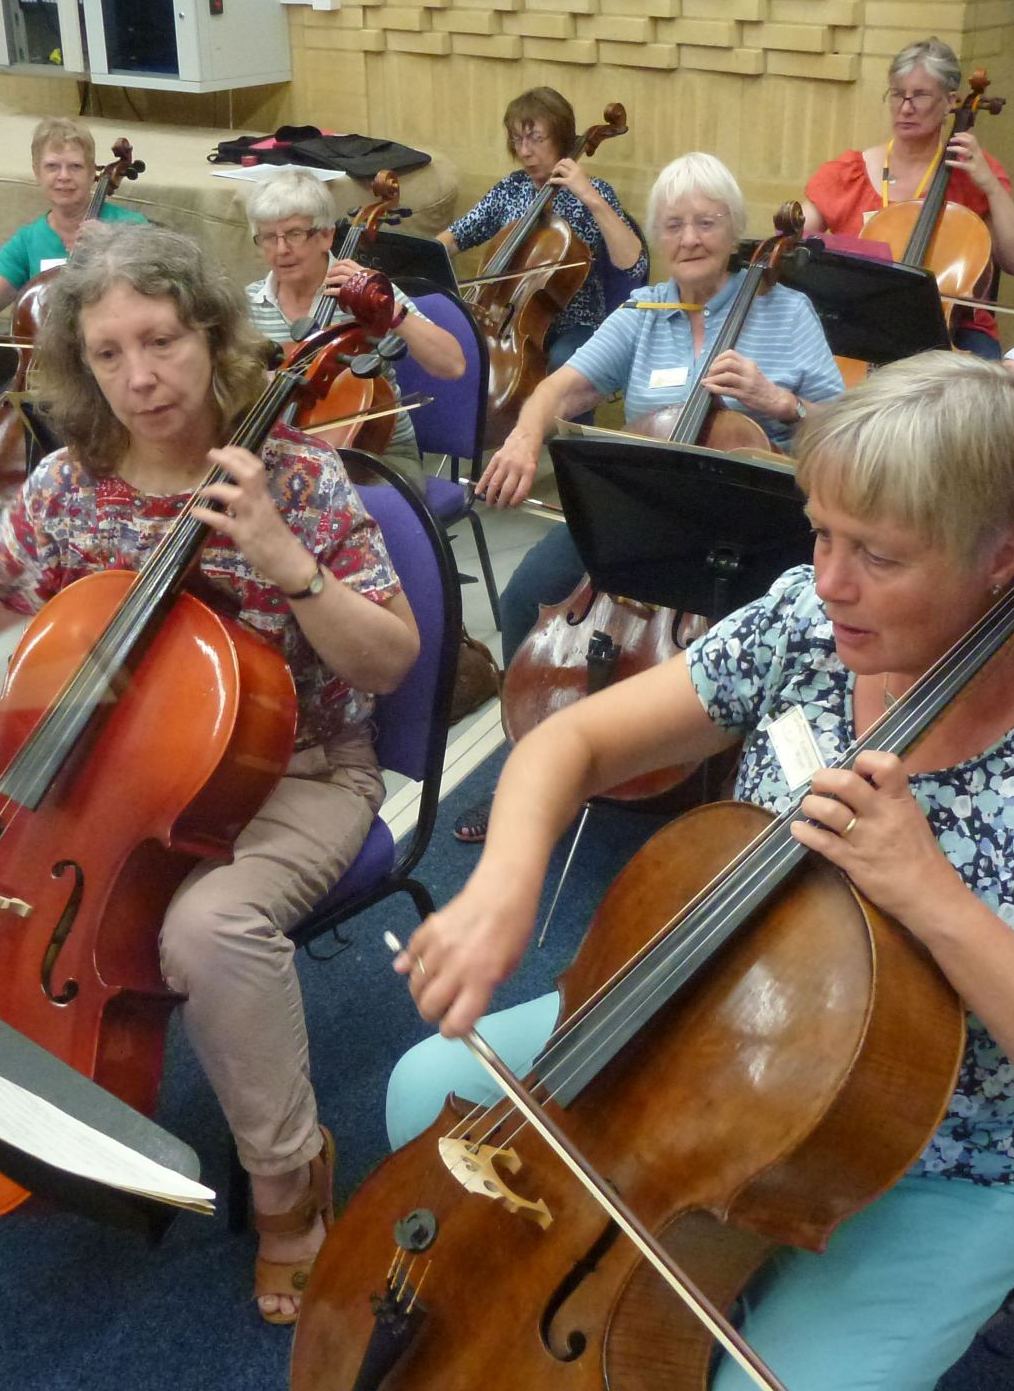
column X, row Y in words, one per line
column 509, row 199
column 66, row 523
column 779, row 652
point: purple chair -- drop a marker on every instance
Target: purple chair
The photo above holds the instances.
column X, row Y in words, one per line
column 454, row 422
column 412, row 721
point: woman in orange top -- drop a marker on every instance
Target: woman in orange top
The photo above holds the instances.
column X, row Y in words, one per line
column 840, row 197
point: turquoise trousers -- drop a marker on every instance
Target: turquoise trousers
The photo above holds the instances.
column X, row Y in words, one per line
column 893, row 1302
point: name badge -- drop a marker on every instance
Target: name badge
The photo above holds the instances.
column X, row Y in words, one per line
column 795, row 747
column 667, row 376
column 52, row 261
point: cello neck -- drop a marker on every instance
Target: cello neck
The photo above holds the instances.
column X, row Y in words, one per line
column 691, row 418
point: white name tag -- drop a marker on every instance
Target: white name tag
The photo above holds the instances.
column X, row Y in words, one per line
column 667, row 376
column 52, row 261
column 795, row 747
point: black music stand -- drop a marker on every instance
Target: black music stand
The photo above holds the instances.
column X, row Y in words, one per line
column 401, row 256
column 678, row 525
column 877, row 311
column 38, row 1071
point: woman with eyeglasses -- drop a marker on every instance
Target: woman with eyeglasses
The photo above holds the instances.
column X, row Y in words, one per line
column 63, row 161
column 842, row 195
column 292, row 219
column 781, row 362
column 541, row 130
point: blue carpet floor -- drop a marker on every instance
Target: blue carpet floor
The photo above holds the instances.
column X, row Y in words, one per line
column 83, row 1308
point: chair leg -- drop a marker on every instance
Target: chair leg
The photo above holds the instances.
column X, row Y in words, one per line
column 239, row 1191
column 482, row 550
column 566, row 870
column 420, row 896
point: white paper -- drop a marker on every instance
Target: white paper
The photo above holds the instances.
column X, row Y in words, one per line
column 34, row 1125
column 257, row 173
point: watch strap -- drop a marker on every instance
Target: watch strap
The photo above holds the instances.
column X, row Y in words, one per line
column 308, row 591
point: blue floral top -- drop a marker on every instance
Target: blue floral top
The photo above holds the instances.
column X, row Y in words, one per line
column 509, row 199
column 778, row 652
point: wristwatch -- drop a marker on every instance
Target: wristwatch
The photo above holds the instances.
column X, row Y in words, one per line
column 316, row 586
column 800, row 409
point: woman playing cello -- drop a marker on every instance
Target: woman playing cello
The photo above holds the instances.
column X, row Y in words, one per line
column 908, row 553
column 292, row 219
column 63, row 161
column 697, row 215
column 540, row 131
column 841, row 196
column 146, row 358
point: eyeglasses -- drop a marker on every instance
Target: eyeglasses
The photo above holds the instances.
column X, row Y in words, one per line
column 919, row 101
column 703, row 225
column 297, row 236
column 530, row 137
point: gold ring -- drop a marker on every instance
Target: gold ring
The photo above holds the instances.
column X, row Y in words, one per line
column 851, row 825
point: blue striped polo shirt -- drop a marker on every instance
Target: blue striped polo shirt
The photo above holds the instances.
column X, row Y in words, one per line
column 782, row 334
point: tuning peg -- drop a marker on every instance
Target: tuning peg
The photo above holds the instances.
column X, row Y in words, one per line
column 366, row 365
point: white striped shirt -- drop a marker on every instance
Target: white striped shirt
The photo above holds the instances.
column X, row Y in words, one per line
column 644, row 352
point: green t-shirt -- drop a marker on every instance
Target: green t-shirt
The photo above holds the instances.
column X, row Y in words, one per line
column 36, row 242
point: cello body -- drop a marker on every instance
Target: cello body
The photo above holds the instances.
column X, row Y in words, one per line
column 516, row 315
column 183, row 757
column 785, row 1086
column 959, row 252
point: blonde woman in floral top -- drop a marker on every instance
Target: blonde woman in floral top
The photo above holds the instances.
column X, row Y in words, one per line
column 910, row 488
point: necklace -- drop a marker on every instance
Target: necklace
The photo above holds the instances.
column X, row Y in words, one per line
column 885, row 174
column 889, row 699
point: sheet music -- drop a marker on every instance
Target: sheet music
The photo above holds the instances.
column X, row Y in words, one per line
column 35, row 1126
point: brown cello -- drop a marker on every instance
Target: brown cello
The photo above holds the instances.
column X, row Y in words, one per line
column 139, row 731
column 591, row 639
column 515, row 313
column 366, row 392
column 947, row 238
column 750, row 1054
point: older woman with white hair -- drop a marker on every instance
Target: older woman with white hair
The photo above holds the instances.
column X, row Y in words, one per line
column 292, row 219
column 909, row 481
column 781, row 362
column 922, row 84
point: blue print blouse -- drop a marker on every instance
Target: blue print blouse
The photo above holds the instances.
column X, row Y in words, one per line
column 779, row 652
column 509, row 199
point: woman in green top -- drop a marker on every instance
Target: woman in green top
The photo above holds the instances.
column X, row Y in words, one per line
column 63, row 160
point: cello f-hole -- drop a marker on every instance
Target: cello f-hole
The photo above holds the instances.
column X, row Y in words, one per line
column 61, row 932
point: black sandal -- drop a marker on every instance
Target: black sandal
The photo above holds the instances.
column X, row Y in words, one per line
column 472, row 825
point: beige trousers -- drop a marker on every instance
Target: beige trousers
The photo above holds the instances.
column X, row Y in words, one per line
column 224, row 947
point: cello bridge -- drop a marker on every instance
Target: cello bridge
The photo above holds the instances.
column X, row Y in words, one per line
column 474, row 1167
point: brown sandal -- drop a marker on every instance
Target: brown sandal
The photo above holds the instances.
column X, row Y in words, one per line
column 290, row 1277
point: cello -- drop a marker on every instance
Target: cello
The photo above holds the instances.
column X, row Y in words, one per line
column 946, row 238
column 29, row 309
column 140, row 730
column 528, row 1289
column 357, row 393
column 591, row 639
column 546, row 264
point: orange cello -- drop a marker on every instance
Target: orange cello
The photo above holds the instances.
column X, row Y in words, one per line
column 515, row 313
column 140, row 730
column 28, row 312
column 362, row 392
column 946, row 238
column 750, row 1053
column 590, row 639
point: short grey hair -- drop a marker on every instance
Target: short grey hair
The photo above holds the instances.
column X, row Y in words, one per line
column 925, row 443
column 937, row 57
column 291, row 193
column 701, row 174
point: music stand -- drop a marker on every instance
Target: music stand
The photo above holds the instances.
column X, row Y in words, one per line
column 877, row 311
column 37, row 1070
column 401, row 256
column 678, row 525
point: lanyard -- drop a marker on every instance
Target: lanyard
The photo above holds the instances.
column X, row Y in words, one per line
column 930, row 170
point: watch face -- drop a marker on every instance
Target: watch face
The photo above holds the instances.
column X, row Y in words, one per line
column 316, row 585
